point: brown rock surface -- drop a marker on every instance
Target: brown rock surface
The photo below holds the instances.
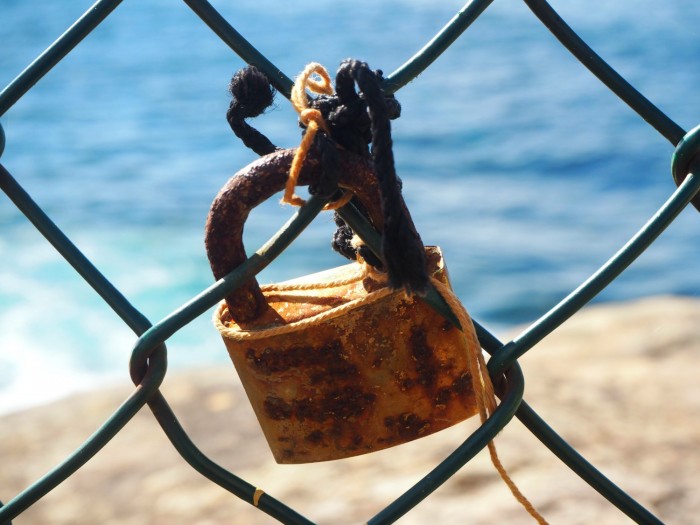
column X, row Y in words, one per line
column 619, row 382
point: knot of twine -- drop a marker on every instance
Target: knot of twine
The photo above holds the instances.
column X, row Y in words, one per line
column 313, row 120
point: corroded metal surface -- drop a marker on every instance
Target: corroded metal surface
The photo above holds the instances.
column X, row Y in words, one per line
column 251, row 186
column 379, row 375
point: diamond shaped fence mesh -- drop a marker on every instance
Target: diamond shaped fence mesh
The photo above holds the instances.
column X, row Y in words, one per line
column 148, row 357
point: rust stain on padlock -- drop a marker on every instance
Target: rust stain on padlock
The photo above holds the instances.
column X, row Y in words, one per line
column 358, row 379
column 371, row 378
column 253, row 185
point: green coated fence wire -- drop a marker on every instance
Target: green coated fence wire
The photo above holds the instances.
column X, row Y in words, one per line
column 148, row 364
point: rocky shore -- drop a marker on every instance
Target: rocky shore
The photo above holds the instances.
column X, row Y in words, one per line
column 619, row 382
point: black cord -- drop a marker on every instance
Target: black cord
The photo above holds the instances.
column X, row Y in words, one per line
column 356, row 118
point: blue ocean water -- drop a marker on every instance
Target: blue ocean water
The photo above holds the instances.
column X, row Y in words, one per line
column 523, row 167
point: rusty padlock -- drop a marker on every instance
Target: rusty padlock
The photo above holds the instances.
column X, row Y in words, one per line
column 334, row 364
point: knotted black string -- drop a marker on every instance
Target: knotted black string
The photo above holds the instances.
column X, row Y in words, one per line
column 356, row 119
column 252, row 94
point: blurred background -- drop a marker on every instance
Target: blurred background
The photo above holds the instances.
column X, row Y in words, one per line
column 522, row 166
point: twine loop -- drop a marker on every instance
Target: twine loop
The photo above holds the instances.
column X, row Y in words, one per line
column 313, row 120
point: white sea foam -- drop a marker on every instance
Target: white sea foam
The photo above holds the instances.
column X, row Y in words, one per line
column 58, row 337
column 32, row 375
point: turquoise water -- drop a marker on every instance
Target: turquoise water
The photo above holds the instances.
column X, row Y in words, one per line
column 515, row 160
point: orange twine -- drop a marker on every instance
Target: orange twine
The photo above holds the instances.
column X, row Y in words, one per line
column 483, row 388
column 313, row 120
column 484, row 393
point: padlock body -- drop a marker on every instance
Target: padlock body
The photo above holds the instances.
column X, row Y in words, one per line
column 373, row 376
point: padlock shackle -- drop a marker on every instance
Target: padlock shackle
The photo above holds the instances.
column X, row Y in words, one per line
column 250, row 187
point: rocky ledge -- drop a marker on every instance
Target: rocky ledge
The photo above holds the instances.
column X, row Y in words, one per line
column 619, row 382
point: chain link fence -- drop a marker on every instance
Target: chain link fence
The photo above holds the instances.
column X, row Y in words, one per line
column 148, row 358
